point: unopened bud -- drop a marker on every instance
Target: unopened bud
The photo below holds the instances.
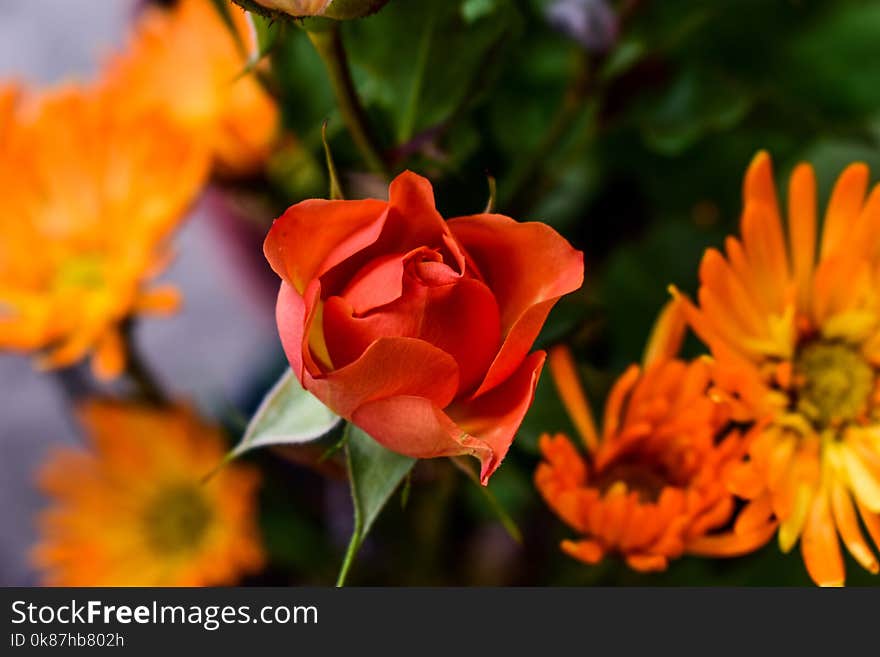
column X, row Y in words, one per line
column 335, row 9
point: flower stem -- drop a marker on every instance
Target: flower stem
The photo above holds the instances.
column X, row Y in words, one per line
column 350, row 554
column 584, row 84
column 74, row 382
column 522, row 184
column 328, row 43
column 148, row 386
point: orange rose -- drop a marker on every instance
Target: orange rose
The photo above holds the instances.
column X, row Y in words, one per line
column 416, row 329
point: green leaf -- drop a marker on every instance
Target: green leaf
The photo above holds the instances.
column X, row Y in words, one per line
column 287, row 415
column 833, row 65
column 421, row 63
column 374, row 473
column 408, row 120
column 696, row 104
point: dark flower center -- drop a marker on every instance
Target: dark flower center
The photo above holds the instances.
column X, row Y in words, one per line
column 833, row 383
column 177, row 519
column 643, row 474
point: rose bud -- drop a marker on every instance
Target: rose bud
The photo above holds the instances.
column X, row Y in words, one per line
column 416, row 329
column 336, row 9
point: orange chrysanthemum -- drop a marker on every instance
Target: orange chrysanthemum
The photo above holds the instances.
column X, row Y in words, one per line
column 793, row 321
column 88, row 199
column 650, row 487
column 133, row 510
column 186, row 61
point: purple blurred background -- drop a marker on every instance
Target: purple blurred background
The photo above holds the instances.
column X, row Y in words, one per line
column 208, row 353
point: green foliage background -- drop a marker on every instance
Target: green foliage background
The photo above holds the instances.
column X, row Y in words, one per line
column 645, row 176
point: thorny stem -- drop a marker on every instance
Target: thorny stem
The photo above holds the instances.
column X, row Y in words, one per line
column 328, row 43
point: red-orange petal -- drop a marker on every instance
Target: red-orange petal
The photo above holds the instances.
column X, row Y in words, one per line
column 802, row 230
column 647, row 563
column 495, row 416
column 667, row 334
column 758, row 184
column 731, row 544
column 390, row 367
column 484, row 428
column 416, row 427
column 568, row 385
column 528, row 266
column 588, row 551
column 460, row 319
column 315, row 235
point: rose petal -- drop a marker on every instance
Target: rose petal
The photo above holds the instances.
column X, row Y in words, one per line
column 299, row 327
column 381, row 281
column 413, row 212
column 494, row 417
column 348, row 336
column 289, row 315
column 313, row 236
column 416, row 427
column 528, row 267
column 390, row 367
column 412, row 222
column 461, row 319
column 377, row 284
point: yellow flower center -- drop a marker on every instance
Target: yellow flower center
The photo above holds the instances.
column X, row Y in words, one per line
column 82, row 271
column 834, row 383
column 177, row 519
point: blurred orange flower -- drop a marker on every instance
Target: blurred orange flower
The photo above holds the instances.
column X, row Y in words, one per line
column 795, row 332
column 88, row 199
column 650, row 487
column 132, row 509
column 186, row 61
column 9, row 94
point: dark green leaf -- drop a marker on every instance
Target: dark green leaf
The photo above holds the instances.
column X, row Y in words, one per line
column 374, row 473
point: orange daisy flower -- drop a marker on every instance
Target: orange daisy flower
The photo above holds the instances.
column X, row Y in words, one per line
column 132, row 509
column 649, row 488
column 88, row 199
column 792, row 318
column 186, row 61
